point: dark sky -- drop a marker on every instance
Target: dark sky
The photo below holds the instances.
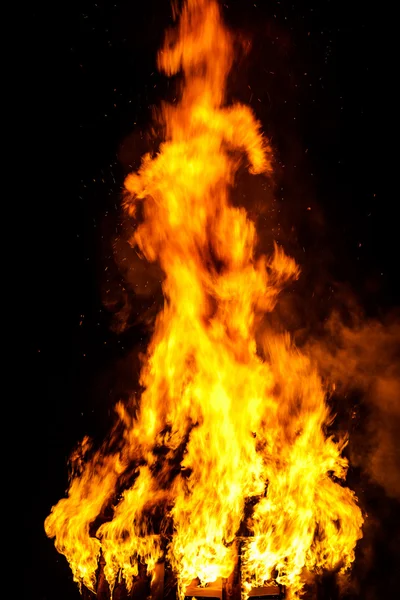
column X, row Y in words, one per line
column 319, row 79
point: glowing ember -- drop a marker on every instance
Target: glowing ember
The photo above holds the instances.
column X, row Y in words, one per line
column 242, row 414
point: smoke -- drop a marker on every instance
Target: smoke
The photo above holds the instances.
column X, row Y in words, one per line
column 363, row 357
column 131, row 286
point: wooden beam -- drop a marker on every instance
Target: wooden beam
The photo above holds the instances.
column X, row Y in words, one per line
column 211, row 590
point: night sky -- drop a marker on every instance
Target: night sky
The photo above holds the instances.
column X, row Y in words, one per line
column 318, row 77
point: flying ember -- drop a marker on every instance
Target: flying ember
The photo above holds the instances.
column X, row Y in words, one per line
column 228, row 440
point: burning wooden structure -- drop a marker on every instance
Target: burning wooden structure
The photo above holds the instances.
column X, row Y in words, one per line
column 230, row 430
column 162, row 586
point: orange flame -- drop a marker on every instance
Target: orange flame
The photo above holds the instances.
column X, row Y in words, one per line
column 244, row 417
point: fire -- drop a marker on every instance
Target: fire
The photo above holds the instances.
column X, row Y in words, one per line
column 227, row 413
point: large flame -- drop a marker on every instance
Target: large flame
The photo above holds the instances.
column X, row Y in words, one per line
column 226, row 414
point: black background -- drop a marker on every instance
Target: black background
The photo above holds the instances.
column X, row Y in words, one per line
column 318, row 76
